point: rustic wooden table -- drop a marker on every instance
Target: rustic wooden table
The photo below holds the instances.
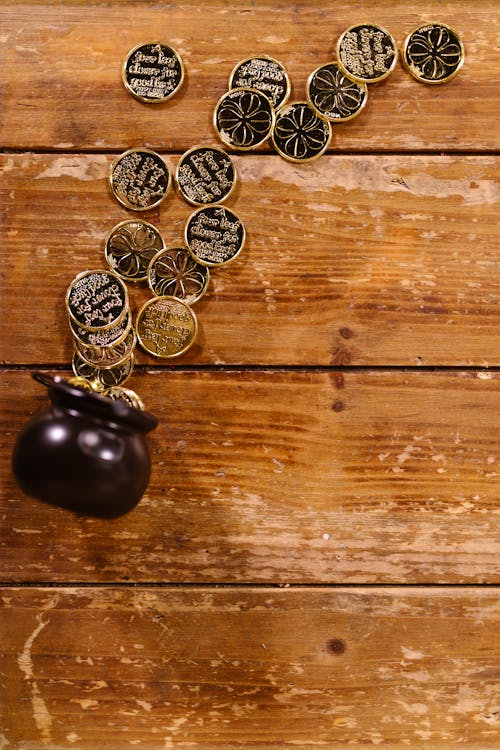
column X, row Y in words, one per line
column 312, row 564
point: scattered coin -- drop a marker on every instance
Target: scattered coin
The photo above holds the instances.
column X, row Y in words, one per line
column 100, row 378
column 367, row 53
column 334, row 94
column 139, row 179
column 433, row 53
column 174, row 272
column 301, row 133
column 152, row 72
column 166, row 327
column 244, row 118
column 204, row 175
column 97, row 300
column 129, row 248
column 214, row 235
column 264, row 74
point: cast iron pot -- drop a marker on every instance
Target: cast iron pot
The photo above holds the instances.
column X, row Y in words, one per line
column 85, row 452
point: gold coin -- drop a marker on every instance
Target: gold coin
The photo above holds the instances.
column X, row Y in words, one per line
column 139, row 179
column 97, row 300
column 335, row 95
column 107, row 356
column 433, row 53
column 118, row 393
column 174, row 272
column 264, row 74
column 214, row 235
column 130, row 247
column 367, row 53
column 204, row 175
column 301, row 133
column 152, row 72
column 102, row 378
column 244, row 118
column 166, row 327
column 107, row 337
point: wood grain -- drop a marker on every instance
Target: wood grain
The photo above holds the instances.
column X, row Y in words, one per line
column 372, row 260
column 284, row 477
column 62, row 87
column 107, row 668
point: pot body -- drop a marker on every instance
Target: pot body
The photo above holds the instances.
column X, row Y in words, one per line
column 85, row 452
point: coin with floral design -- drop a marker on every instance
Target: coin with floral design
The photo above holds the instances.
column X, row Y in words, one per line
column 139, row 179
column 152, row 72
column 433, row 53
column 334, row 94
column 166, row 327
column 301, row 133
column 100, row 378
column 204, row 175
column 174, row 272
column 129, row 248
column 214, row 235
column 367, row 53
column 244, row 118
column 264, row 74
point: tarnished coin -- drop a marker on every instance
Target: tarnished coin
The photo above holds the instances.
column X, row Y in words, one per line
column 244, row 118
column 174, row 272
column 334, row 94
column 107, row 356
column 118, row 393
column 129, row 248
column 301, row 133
column 139, row 179
column 166, row 327
column 264, row 74
column 204, row 175
column 100, row 378
column 106, row 337
column 214, row 235
column 152, row 72
column 367, row 53
column 97, row 300
column 433, row 53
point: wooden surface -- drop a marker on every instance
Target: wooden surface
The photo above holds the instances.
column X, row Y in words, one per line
column 313, row 562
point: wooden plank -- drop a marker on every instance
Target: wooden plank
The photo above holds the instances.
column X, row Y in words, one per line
column 62, row 85
column 244, row 668
column 350, row 260
column 283, row 477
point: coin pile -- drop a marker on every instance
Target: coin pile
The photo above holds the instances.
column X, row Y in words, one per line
column 255, row 108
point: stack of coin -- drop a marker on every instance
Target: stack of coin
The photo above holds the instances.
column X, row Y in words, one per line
column 101, row 323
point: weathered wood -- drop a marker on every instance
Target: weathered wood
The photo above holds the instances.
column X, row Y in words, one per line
column 350, row 260
column 61, row 65
column 98, row 668
column 284, row 477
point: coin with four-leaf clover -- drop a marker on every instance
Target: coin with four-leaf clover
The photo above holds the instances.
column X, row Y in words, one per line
column 433, row 53
column 174, row 272
column 334, row 94
column 129, row 248
column 301, row 133
column 244, row 118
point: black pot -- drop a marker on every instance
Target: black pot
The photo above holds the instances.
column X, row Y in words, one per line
column 85, row 452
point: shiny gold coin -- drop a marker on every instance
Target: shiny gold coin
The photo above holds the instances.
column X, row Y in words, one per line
column 335, row 95
column 367, row 53
column 129, row 248
column 204, row 175
column 244, row 118
column 118, row 393
column 108, row 337
column 139, row 179
column 102, row 378
column 214, row 235
column 264, row 74
column 152, row 72
column 166, row 327
column 433, row 53
column 301, row 133
column 105, row 357
column 97, row 300
column 86, row 385
column 174, row 272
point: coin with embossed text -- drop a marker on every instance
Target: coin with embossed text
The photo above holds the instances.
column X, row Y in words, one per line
column 129, row 248
column 433, row 53
column 100, row 378
column 97, row 300
column 166, row 327
column 139, row 179
column 264, row 74
column 244, row 118
column 334, row 94
column 301, row 133
column 174, row 272
column 204, row 175
column 106, row 337
column 152, row 72
column 367, row 53
column 214, row 235
column 107, row 356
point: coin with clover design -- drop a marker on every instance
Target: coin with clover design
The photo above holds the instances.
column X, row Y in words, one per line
column 174, row 272
column 129, row 248
column 433, row 53
column 244, row 118
column 301, row 133
column 335, row 95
